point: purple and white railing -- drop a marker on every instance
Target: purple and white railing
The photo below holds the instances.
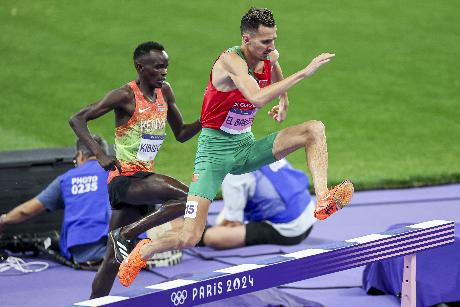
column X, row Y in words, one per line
column 288, row 268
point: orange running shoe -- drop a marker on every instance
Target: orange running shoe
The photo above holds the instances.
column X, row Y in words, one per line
column 132, row 265
column 334, row 200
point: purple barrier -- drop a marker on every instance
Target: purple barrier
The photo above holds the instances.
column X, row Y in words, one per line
column 288, row 268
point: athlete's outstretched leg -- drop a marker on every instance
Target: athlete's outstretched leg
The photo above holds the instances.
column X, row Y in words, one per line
column 153, row 189
column 103, row 281
column 186, row 236
column 167, row 212
column 311, row 135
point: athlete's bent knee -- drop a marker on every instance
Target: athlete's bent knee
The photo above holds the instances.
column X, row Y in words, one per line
column 315, row 127
column 189, row 240
column 313, row 130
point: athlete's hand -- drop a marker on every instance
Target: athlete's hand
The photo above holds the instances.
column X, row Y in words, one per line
column 321, row 59
column 278, row 112
column 109, row 163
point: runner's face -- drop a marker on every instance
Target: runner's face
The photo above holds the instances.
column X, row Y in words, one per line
column 262, row 42
column 153, row 68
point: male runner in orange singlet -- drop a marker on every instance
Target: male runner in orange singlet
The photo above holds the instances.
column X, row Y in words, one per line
column 141, row 109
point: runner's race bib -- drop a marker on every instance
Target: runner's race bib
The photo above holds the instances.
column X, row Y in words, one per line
column 150, row 144
column 238, row 121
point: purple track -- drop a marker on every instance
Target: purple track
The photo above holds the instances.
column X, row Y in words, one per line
column 370, row 211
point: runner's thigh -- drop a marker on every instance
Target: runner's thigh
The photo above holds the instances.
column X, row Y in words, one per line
column 155, row 189
column 259, row 154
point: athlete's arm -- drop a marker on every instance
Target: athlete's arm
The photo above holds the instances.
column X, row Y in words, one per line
column 278, row 112
column 79, row 123
column 182, row 132
column 277, row 73
column 237, row 69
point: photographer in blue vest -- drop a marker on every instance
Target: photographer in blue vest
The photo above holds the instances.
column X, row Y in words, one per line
column 82, row 194
column 271, row 205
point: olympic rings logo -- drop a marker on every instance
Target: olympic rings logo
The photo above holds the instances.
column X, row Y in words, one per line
column 178, row 298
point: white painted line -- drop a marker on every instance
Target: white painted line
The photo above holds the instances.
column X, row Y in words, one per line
column 240, row 268
column 100, row 301
column 368, row 238
column 172, row 284
column 306, row 253
column 430, row 224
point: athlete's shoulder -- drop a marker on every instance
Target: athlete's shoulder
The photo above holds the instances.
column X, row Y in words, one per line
column 231, row 54
column 122, row 94
column 231, row 60
column 166, row 86
column 125, row 91
column 167, row 91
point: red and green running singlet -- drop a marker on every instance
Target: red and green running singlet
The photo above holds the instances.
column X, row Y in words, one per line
column 137, row 142
column 231, row 111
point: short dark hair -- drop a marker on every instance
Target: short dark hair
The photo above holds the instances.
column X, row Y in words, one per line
column 256, row 17
column 80, row 146
column 145, row 48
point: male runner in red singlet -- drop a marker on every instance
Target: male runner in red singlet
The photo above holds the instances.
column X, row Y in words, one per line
column 141, row 108
column 244, row 79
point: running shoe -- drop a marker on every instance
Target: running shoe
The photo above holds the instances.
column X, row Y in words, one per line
column 121, row 246
column 334, row 200
column 132, row 265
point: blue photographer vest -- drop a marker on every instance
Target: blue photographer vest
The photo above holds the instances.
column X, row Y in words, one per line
column 281, row 194
column 86, row 205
